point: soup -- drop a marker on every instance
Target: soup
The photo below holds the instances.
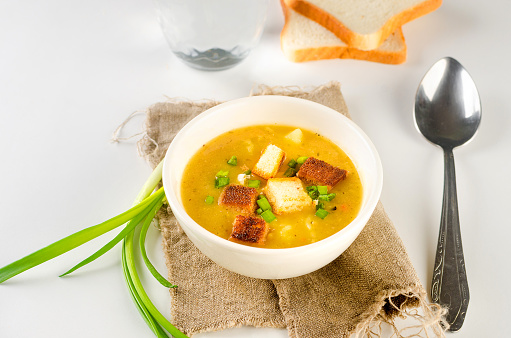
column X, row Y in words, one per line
column 228, row 161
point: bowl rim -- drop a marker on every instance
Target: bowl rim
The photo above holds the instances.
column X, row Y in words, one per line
column 350, row 228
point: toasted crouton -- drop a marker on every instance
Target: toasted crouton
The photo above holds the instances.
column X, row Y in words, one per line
column 286, row 195
column 249, row 229
column 320, row 173
column 269, row 162
column 238, row 197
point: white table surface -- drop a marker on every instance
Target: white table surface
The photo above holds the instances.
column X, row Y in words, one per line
column 72, row 71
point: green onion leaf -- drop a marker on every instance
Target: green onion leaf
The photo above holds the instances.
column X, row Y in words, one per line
column 142, row 237
column 321, row 213
column 233, row 160
column 209, row 199
column 290, row 172
column 259, row 211
column 222, row 173
column 264, row 204
column 292, row 163
column 221, row 182
column 268, row 216
column 152, row 313
column 254, row 183
column 70, row 242
column 156, row 321
column 301, row 160
column 146, row 315
column 247, row 172
column 127, row 229
column 323, row 189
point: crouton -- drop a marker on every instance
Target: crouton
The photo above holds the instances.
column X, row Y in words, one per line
column 240, row 198
column 269, row 162
column 286, row 195
column 249, row 229
column 320, row 173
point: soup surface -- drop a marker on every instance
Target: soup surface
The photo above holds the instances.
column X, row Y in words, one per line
column 288, row 230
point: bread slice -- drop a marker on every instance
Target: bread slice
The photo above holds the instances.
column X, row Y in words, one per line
column 363, row 24
column 249, row 229
column 269, row 163
column 305, row 40
column 286, row 195
column 319, row 172
column 240, row 198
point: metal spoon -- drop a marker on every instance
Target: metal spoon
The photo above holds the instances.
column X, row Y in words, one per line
column 447, row 112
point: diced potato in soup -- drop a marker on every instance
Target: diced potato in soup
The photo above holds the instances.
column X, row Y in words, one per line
column 337, row 208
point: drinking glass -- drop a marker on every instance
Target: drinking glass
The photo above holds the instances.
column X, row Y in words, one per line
column 212, row 34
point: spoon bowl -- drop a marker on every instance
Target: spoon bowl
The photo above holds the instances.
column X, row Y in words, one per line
column 447, row 106
column 448, row 112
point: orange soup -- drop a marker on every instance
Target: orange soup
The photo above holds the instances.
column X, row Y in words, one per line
column 230, row 158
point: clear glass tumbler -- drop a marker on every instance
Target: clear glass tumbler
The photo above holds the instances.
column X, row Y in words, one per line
column 212, row 34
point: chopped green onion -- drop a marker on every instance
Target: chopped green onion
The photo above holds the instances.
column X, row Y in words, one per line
column 254, row 183
column 268, row 216
column 233, row 160
column 301, row 159
column 221, row 182
column 209, row 199
column 290, row 172
column 328, row 197
column 222, row 173
column 247, row 172
column 320, row 205
column 313, row 191
column 292, row 163
column 323, row 189
column 264, row 204
column 259, row 211
column 321, row 213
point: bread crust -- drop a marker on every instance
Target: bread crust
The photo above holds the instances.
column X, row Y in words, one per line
column 341, row 51
column 353, row 39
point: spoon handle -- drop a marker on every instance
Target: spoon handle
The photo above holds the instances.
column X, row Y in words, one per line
column 449, row 287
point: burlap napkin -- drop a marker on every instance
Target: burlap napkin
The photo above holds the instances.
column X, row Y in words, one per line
column 371, row 283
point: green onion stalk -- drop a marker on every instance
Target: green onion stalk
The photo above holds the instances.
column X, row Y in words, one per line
column 141, row 214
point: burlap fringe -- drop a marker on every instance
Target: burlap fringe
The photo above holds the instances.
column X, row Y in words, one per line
column 145, row 139
column 115, row 135
column 430, row 323
column 295, row 91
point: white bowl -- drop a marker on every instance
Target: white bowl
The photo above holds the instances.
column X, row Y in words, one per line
column 260, row 262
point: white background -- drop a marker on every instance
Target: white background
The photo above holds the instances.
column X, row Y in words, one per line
column 72, row 71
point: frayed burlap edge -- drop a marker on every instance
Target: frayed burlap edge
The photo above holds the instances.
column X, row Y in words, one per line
column 405, row 303
column 147, row 146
